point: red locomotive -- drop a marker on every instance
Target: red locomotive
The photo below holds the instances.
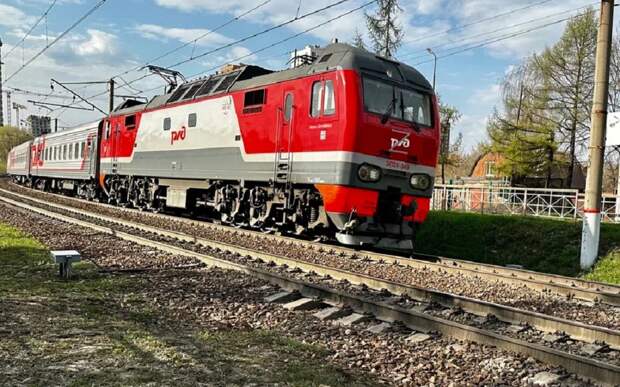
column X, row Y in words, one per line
column 345, row 143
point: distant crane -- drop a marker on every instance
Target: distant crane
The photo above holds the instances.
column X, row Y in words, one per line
column 17, row 108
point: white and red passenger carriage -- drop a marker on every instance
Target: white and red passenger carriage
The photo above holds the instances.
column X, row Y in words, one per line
column 346, row 143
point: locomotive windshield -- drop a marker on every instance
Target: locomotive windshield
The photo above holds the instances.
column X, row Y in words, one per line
column 397, row 102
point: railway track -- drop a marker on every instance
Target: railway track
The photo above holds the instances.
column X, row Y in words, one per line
column 569, row 287
column 418, row 308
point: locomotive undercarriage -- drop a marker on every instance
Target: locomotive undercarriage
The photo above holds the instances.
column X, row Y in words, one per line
column 297, row 210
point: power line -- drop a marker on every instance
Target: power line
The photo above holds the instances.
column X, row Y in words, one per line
column 503, row 28
column 291, row 37
column 340, row 16
column 248, row 37
column 475, row 45
column 195, row 40
column 43, row 16
column 267, row 30
column 463, row 26
column 58, row 38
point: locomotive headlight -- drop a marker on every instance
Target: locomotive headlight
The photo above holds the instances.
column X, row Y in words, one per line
column 420, row 182
column 369, row 173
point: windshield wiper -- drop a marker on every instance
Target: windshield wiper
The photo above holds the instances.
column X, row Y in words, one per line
column 415, row 126
column 388, row 111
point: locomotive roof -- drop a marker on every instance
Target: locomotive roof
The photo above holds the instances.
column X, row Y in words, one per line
column 333, row 56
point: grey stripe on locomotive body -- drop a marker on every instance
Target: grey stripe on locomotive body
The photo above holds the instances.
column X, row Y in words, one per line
column 228, row 164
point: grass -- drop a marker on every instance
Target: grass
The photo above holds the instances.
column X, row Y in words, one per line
column 545, row 245
column 105, row 330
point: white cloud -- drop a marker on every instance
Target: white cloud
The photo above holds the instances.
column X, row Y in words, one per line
column 184, row 35
column 98, row 43
column 13, row 17
column 488, row 96
column 279, row 11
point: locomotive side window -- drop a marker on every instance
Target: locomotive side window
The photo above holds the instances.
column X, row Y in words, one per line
column 192, row 119
column 254, row 98
column 288, row 107
column 329, row 100
column 130, row 122
column 315, row 104
column 167, row 123
column 107, row 129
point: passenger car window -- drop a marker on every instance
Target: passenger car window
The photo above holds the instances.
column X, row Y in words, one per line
column 76, row 151
column 64, row 152
column 315, row 104
column 191, row 120
column 288, row 107
column 167, row 123
column 329, row 101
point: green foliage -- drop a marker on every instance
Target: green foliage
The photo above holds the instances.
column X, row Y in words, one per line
column 386, row 33
column 10, row 137
column 546, row 104
column 553, row 246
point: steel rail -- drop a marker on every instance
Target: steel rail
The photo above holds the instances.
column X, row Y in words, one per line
column 592, row 369
column 508, row 314
column 566, row 286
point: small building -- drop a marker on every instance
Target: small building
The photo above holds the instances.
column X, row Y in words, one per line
column 486, row 171
column 39, row 125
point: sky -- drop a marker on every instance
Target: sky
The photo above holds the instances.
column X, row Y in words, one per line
column 476, row 42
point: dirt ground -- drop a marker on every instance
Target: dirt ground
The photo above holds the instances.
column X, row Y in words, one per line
column 117, row 328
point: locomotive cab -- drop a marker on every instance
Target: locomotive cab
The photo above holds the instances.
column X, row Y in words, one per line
column 392, row 130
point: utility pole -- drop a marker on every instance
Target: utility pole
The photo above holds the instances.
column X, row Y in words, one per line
column 1, row 105
column 111, row 95
column 592, row 206
column 8, row 108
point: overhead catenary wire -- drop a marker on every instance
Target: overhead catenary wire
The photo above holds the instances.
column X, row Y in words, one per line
column 195, row 40
column 57, row 39
column 501, row 29
column 241, row 40
column 43, row 16
column 473, row 46
column 460, row 50
column 478, row 21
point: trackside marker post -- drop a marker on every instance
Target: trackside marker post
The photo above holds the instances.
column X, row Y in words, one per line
column 592, row 206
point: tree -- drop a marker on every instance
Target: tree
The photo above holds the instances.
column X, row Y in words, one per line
column 385, row 32
column 358, row 40
column 449, row 115
column 10, row 137
column 524, row 133
column 568, row 66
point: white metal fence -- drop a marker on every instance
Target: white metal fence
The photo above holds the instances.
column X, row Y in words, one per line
column 557, row 203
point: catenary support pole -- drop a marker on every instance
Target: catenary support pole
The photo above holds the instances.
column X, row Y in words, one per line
column 111, row 95
column 592, row 205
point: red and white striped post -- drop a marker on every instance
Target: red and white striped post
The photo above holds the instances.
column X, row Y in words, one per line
column 592, row 205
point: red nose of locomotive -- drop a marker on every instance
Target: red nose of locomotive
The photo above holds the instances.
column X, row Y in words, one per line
column 391, row 174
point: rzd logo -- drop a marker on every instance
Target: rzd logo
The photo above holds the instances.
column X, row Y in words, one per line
column 400, row 143
column 177, row 135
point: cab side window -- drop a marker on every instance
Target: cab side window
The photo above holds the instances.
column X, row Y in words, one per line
column 329, row 100
column 323, row 99
column 315, row 104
